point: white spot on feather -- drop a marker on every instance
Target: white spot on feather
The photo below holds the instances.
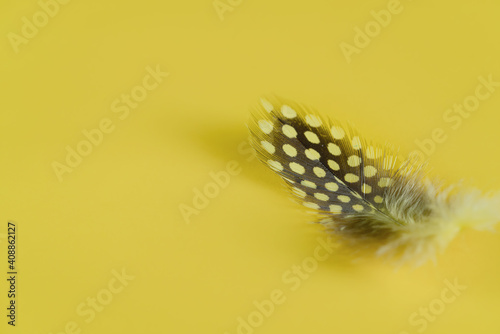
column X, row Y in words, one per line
column 297, row 168
column 266, row 126
column 337, row 132
column 312, row 154
column 290, row 150
column 333, row 165
column 288, row 112
column 275, row 165
column 312, row 137
column 267, row 105
column 334, row 149
column 308, row 184
column 344, row 199
column 289, row 131
column 335, row 208
column 320, row 172
column 331, row 186
column 357, row 207
column 353, row 161
column 370, row 171
column 311, row 205
column 321, row 197
column 351, row 178
column 313, row 120
column 268, row 146
column 356, row 143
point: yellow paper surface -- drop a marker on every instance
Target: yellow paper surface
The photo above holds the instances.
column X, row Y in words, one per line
column 139, row 207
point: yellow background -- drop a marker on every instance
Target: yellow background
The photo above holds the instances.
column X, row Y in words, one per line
column 119, row 209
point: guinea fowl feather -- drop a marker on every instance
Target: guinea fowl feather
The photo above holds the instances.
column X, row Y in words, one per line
column 365, row 194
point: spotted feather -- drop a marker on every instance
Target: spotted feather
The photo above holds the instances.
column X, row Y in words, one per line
column 365, row 193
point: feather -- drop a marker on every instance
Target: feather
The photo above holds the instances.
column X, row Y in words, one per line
column 365, row 194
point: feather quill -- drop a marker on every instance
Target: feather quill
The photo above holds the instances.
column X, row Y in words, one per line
column 365, row 194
